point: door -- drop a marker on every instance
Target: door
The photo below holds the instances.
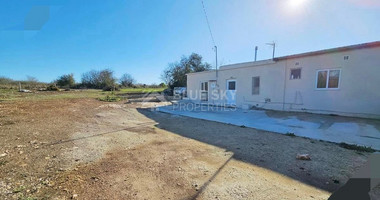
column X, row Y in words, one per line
column 231, row 92
column 204, row 91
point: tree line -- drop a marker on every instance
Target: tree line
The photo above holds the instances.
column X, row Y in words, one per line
column 101, row 79
column 94, row 79
column 173, row 76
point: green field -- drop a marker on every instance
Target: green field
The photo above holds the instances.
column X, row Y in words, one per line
column 14, row 95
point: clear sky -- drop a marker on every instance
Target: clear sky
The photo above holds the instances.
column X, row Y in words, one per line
column 46, row 39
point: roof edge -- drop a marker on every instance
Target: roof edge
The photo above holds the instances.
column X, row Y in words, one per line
column 332, row 50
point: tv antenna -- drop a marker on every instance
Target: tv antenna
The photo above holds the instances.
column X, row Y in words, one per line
column 273, row 44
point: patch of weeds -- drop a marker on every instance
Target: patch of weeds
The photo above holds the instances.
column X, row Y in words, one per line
column 242, row 126
column 312, row 141
column 290, row 134
column 18, row 189
column 27, row 198
column 357, row 147
column 3, row 162
column 336, row 181
column 109, row 98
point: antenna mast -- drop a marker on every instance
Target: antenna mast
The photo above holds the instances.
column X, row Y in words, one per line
column 273, row 44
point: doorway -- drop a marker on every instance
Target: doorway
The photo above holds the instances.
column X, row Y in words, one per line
column 231, row 92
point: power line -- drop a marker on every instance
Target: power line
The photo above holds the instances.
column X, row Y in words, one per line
column 208, row 23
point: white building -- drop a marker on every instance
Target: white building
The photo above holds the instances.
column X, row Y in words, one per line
column 342, row 81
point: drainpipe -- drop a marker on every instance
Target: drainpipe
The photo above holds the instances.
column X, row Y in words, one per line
column 283, row 96
column 216, row 72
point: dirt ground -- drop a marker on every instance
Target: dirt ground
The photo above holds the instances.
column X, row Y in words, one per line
column 87, row 149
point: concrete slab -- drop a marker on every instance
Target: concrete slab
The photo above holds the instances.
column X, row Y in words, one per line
column 364, row 132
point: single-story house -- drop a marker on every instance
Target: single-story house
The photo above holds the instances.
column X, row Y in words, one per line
column 343, row 81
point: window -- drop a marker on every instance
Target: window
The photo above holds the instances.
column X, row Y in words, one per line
column 328, row 79
column 295, row 73
column 256, row 85
column 204, row 86
column 231, row 85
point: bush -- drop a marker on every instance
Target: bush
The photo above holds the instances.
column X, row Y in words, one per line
column 98, row 79
column 111, row 88
column 52, row 88
column 109, row 98
column 127, row 80
column 168, row 92
column 290, row 134
column 66, row 81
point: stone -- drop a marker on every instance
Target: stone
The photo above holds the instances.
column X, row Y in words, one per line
column 303, row 157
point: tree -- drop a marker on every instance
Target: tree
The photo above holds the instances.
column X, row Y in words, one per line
column 127, row 80
column 66, row 80
column 99, row 79
column 175, row 74
column 162, row 85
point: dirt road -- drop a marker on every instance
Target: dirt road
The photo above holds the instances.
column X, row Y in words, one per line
column 86, row 149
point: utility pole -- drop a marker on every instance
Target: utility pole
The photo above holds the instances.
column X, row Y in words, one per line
column 273, row 44
column 256, row 48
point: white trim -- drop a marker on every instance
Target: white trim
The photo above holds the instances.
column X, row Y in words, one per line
column 327, row 79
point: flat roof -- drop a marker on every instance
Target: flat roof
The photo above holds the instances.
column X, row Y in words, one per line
column 311, row 53
column 333, row 50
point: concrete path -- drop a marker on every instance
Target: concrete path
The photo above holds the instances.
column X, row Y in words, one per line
column 364, row 132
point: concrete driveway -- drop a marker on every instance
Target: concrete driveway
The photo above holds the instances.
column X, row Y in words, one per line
column 364, row 132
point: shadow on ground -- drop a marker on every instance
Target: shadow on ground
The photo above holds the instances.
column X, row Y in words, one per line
column 330, row 166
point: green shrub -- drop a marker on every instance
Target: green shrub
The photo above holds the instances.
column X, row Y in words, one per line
column 111, row 88
column 290, row 134
column 109, row 98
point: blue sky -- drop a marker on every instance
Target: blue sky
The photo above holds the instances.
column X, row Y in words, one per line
column 141, row 37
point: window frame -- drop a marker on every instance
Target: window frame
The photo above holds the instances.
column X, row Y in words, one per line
column 253, row 78
column 231, row 80
column 203, row 85
column 290, row 73
column 327, row 79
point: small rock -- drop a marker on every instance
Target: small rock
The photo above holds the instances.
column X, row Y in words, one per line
column 303, row 157
column 3, row 155
column 33, row 142
column 20, row 152
column 20, row 146
column 75, row 196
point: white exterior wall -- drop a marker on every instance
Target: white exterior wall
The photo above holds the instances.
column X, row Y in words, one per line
column 359, row 89
column 358, row 93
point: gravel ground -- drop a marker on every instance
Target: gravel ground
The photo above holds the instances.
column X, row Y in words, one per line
column 86, row 149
